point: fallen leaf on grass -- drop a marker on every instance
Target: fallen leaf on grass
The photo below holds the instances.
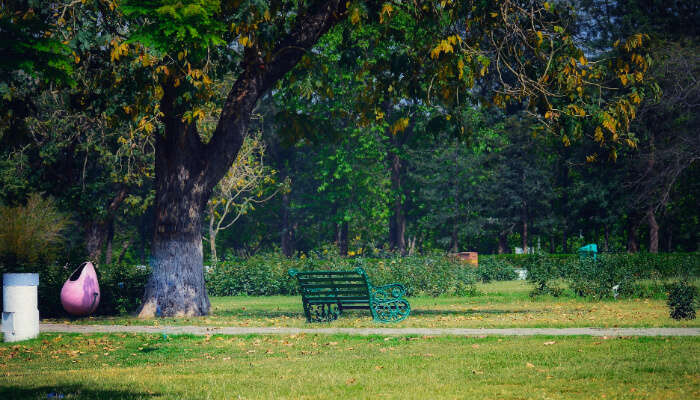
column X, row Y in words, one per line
column 530, row 365
column 378, row 367
column 475, row 372
column 475, row 346
column 549, row 343
column 350, row 381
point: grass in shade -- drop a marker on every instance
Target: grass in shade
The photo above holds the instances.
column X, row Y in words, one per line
column 128, row 366
column 500, row 305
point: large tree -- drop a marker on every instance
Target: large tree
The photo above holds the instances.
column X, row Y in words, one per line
column 187, row 43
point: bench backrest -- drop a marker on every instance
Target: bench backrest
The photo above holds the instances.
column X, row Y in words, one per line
column 348, row 289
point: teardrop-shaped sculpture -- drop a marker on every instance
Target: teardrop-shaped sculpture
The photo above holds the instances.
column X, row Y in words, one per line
column 80, row 295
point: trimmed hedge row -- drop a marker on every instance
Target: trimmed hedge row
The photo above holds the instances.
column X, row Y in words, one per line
column 266, row 274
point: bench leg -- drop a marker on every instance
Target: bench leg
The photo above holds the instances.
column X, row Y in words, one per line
column 322, row 312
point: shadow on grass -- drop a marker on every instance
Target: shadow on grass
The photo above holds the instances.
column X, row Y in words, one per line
column 69, row 392
column 423, row 311
column 243, row 314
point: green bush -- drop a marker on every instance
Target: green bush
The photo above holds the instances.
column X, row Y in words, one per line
column 121, row 288
column 266, row 274
column 30, row 235
column 543, row 272
column 495, row 269
column 611, row 275
column 681, row 300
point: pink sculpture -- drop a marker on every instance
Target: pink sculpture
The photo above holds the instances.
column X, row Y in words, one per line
column 80, row 295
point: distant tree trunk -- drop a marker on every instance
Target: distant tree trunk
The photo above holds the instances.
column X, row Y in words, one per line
column 454, row 239
column 606, row 242
column 122, row 252
column 552, row 244
column 342, row 239
column 110, row 241
column 212, row 237
column 95, row 237
column 669, row 244
column 653, row 232
column 632, row 241
column 524, row 217
column 287, row 232
column 100, row 232
column 503, row 243
column 565, row 241
column 397, row 222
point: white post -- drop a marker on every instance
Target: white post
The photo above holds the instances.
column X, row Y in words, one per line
column 20, row 316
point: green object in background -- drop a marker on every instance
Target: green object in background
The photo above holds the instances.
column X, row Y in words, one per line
column 325, row 294
column 588, row 251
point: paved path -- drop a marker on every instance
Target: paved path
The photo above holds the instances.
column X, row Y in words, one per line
column 230, row 330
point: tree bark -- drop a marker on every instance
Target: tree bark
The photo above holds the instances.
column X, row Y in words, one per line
column 653, row 232
column 187, row 169
column 287, row 231
column 632, row 241
column 454, row 239
column 343, row 238
column 212, row 238
column 606, row 243
column 502, row 243
column 397, row 223
column 101, row 231
column 525, row 232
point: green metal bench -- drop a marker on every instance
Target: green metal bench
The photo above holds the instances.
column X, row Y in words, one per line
column 326, row 294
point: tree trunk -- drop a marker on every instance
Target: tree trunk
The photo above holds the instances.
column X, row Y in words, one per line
column 176, row 285
column 565, row 241
column 212, row 238
column 95, row 237
column 632, row 241
column 653, row 232
column 287, row 232
column 110, row 241
column 525, row 232
column 454, row 239
column 502, row 243
column 397, row 223
column 343, row 238
column 606, row 243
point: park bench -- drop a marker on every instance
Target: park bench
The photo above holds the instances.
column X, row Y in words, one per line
column 326, row 294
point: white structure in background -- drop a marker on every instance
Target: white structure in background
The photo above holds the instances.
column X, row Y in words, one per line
column 20, row 316
column 522, row 273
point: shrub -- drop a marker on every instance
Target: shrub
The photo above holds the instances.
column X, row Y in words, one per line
column 30, row 235
column 122, row 288
column 495, row 269
column 681, row 300
column 543, row 272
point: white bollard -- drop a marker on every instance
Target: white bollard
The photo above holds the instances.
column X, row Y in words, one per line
column 20, row 316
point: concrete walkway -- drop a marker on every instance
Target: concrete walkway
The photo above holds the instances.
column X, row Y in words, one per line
column 230, row 330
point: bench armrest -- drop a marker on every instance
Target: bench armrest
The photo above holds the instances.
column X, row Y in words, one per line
column 388, row 292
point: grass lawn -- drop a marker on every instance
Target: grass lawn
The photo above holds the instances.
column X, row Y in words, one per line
column 126, row 366
column 502, row 305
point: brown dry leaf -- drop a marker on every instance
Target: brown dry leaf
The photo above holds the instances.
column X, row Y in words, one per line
column 350, row 381
column 475, row 346
column 378, row 367
column 549, row 343
column 427, row 355
column 332, row 343
column 530, row 365
column 475, row 372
